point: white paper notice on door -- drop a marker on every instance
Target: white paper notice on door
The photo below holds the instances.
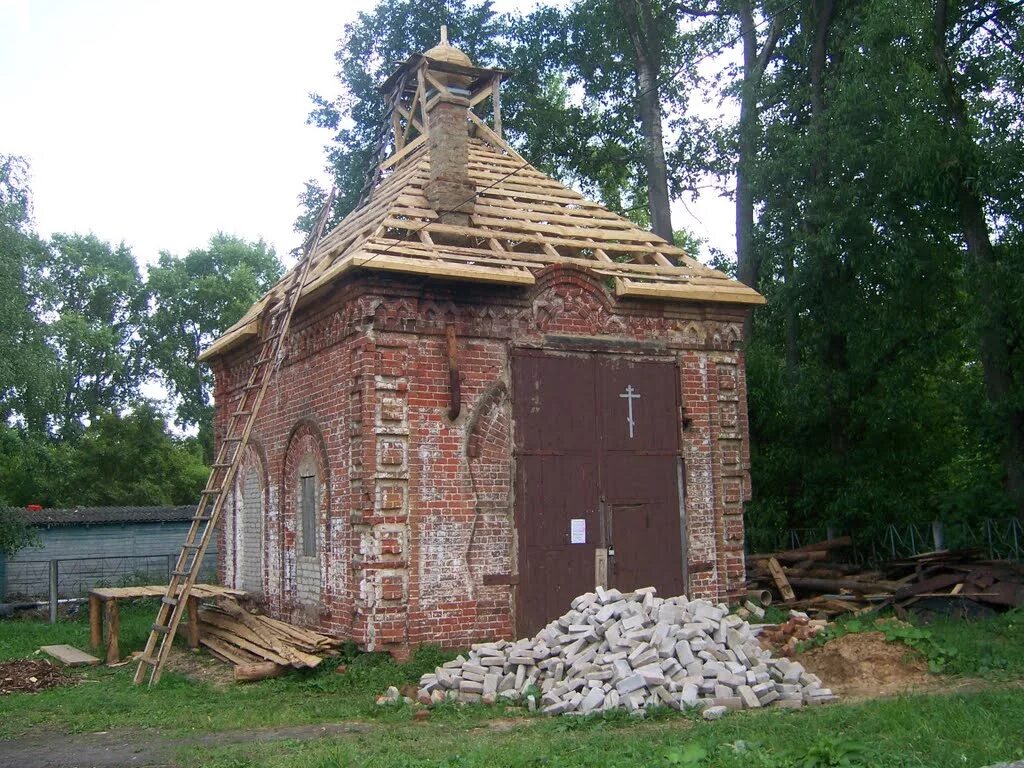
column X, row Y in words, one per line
column 578, row 530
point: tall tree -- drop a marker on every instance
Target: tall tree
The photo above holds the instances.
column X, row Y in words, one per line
column 91, row 299
column 977, row 52
column 757, row 54
column 195, row 299
column 652, row 25
column 25, row 362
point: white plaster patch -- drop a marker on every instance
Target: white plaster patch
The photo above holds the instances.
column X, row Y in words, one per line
column 442, row 565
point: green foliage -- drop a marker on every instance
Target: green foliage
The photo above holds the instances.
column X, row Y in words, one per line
column 15, row 535
column 990, row 649
column 867, row 402
column 118, row 460
column 91, row 300
column 837, row 751
column 194, row 300
column 24, row 359
column 689, row 754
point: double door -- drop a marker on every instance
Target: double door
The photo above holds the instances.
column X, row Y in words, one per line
column 598, row 481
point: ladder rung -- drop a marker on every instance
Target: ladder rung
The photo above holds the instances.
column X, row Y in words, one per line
column 146, row 660
column 160, row 628
column 232, row 439
column 202, row 518
column 180, row 573
column 210, row 491
column 220, row 464
column 188, row 545
column 236, row 414
column 169, row 600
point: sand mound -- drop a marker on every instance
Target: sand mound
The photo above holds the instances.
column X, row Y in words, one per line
column 865, row 665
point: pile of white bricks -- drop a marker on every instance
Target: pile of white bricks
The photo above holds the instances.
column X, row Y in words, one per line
column 630, row 651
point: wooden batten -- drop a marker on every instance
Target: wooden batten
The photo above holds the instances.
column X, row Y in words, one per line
column 523, row 221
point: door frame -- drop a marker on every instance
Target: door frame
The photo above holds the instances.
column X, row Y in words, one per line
column 591, row 349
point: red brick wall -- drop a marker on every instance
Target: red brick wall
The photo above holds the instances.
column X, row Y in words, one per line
column 418, row 542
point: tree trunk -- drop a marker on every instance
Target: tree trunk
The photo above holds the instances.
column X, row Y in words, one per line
column 754, row 63
column 647, row 44
column 994, row 343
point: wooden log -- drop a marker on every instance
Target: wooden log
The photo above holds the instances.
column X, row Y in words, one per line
column 837, row 585
column 247, row 673
column 112, row 618
column 779, row 576
column 95, row 621
column 838, row 543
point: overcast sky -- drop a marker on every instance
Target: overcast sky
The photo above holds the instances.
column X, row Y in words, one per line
column 158, row 124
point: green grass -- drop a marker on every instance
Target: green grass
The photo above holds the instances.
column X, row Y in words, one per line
column 992, row 648
column 967, row 729
column 104, row 698
column 935, row 731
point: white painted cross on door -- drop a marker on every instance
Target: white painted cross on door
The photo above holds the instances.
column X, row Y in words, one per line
column 630, row 394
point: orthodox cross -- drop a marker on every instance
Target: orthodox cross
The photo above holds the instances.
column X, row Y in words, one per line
column 630, row 395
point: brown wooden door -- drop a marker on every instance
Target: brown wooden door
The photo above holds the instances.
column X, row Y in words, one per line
column 640, row 477
column 581, row 464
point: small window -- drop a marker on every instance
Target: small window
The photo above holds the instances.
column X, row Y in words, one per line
column 308, row 504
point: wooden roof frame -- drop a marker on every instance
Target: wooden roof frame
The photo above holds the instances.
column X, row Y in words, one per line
column 522, row 219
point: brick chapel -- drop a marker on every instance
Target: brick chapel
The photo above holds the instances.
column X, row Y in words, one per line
column 495, row 395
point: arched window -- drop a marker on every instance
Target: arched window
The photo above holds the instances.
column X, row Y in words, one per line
column 308, row 502
column 251, row 529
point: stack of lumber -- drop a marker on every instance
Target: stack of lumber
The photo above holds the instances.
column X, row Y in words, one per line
column 258, row 645
column 809, row 578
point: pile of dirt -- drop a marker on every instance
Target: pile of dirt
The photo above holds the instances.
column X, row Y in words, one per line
column 199, row 667
column 28, row 675
column 864, row 665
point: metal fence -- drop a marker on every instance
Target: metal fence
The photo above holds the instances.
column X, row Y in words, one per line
column 74, row 577
column 999, row 539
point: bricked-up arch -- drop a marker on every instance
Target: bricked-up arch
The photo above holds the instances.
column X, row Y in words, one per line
column 568, row 298
column 304, row 565
column 244, row 526
column 489, row 553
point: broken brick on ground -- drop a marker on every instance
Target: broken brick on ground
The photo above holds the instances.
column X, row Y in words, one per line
column 628, row 651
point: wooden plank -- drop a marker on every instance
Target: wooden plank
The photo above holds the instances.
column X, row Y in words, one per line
column 294, row 656
column 440, row 269
column 407, row 150
column 70, row 656
column 779, row 576
column 112, row 618
column 224, row 650
column 232, row 638
column 691, row 292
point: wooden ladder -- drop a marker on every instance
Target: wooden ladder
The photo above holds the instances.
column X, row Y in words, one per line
column 225, row 466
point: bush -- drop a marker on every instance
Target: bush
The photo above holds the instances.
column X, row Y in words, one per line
column 15, row 534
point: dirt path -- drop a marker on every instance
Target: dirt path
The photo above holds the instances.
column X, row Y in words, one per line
column 138, row 749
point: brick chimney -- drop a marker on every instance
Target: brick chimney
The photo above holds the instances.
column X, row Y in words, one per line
column 449, row 191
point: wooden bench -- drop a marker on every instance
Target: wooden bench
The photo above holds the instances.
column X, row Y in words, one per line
column 105, row 618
